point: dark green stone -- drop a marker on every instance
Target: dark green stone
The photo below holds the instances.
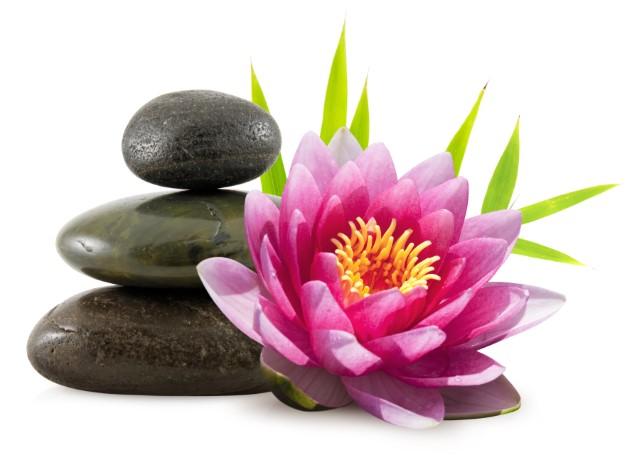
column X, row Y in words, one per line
column 156, row 240
column 145, row 341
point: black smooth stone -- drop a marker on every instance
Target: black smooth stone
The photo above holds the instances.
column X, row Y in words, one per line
column 145, row 341
column 156, row 240
column 200, row 140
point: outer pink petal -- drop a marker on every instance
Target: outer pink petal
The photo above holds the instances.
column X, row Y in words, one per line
column 234, row 289
column 432, row 172
column 451, row 368
column 379, row 314
column 301, row 192
column 499, row 224
column 541, row 304
column 344, row 147
column 297, row 249
column 377, row 169
column 284, row 335
column 316, row 157
column 452, row 195
column 340, row 353
column 396, row 402
column 493, row 310
column 331, row 221
column 401, row 202
column 493, row 398
column 261, row 217
column 324, row 268
column 276, row 280
column 406, row 347
column 483, row 257
column 327, row 389
column 320, row 309
column 350, row 187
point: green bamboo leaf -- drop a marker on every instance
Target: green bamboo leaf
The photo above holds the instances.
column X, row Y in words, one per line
column 458, row 145
column 335, row 100
column 538, row 251
column 360, row 123
column 558, row 203
column 275, row 177
column 504, row 177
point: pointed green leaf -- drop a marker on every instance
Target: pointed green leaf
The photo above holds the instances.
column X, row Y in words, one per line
column 360, row 123
column 335, row 100
column 538, row 251
column 458, row 145
column 558, row 203
column 504, row 177
column 275, row 177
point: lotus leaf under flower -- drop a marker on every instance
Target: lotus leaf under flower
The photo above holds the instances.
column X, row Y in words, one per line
column 375, row 289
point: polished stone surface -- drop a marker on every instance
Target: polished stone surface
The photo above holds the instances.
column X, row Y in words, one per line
column 155, row 240
column 200, row 140
column 145, row 341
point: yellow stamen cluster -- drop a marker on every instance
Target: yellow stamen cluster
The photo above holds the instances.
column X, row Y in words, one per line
column 370, row 260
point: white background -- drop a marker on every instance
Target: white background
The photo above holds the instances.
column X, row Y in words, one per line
column 72, row 74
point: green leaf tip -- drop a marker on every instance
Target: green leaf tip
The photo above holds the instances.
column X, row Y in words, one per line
column 275, row 177
column 530, row 249
column 458, row 145
column 503, row 181
column 360, row 123
column 335, row 100
column 558, row 203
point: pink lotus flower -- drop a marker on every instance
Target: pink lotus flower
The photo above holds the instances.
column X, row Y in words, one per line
column 374, row 289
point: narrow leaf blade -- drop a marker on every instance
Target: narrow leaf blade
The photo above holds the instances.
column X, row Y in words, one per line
column 458, row 145
column 530, row 249
column 503, row 181
column 275, row 177
column 558, row 203
column 335, row 100
column 360, row 123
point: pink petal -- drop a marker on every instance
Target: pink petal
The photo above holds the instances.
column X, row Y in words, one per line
column 404, row 348
column 282, row 334
column 499, row 224
column 320, row 309
column 344, row 147
column 301, row 192
column 452, row 195
column 459, row 367
column 452, row 269
column 378, row 314
column 324, row 388
column 493, row 310
column 438, row 228
column 494, row 398
column 432, row 172
column 313, row 154
column 401, row 202
column 483, row 257
column 396, row 402
column 234, row 289
column 448, row 312
column 541, row 304
column 350, row 187
column 276, row 279
column 261, row 217
column 340, row 353
column 377, row 169
column 324, row 268
column 296, row 247
column 331, row 221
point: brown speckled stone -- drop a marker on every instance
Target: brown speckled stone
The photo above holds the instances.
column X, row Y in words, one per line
column 145, row 341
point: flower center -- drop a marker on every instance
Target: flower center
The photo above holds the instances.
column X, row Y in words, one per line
column 370, row 261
